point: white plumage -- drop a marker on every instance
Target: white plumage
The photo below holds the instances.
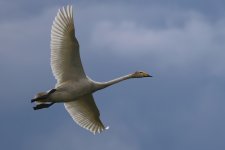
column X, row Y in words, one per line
column 65, row 58
column 66, row 65
column 73, row 87
column 85, row 113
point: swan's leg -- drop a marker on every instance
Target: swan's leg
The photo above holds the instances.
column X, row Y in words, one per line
column 41, row 106
column 43, row 96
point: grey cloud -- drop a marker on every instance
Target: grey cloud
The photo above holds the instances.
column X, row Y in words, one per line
column 26, row 9
column 23, row 9
column 24, row 49
column 196, row 41
column 180, row 108
column 60, row 138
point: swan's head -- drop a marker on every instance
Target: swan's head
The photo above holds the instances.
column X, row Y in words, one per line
column 140, row 74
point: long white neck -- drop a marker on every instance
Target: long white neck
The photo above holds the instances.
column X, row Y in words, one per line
column 102, row 85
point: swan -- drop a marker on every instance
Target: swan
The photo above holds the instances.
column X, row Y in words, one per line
column 73, row 88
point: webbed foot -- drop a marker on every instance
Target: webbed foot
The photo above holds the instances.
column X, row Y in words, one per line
column 41, row 106
column 43, row 96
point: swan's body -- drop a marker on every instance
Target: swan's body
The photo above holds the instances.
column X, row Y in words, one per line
column 73, row 87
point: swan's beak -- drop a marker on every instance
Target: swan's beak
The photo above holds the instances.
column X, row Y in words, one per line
column 147, row 75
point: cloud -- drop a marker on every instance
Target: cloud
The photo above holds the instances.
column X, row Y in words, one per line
column 24, row 50
column 196, row 41
column 181, row 108
column 66, row 134
column 23, row 9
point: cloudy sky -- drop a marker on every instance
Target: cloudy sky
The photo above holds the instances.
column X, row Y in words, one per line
column 181, row 43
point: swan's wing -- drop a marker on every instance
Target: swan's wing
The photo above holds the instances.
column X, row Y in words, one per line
column 85, row 113
column 65, row 56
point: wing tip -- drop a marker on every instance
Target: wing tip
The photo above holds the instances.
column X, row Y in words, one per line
column 99, row 130
column 68, row 9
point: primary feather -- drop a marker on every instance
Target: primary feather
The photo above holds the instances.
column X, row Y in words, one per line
column 65, row 58
column 85, row 113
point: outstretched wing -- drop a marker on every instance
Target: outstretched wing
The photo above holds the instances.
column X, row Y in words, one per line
column 85, row 113
column 65, row 56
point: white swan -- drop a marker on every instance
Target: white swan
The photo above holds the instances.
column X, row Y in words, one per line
column 73, row 87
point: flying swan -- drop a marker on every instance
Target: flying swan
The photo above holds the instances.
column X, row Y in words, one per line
column 73, row 88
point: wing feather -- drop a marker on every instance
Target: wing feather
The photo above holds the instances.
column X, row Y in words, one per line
column 65, row 57
column 85, row 113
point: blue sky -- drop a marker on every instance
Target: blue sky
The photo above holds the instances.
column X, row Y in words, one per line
column 181, row 43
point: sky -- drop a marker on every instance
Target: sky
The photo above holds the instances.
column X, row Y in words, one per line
column 180, row 43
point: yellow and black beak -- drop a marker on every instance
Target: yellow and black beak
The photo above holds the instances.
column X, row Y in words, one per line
column 147, row 75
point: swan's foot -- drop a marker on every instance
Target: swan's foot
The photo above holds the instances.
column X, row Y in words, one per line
column 43, row 96
column 41, row 106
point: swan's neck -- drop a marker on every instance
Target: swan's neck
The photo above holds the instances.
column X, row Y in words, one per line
column 102, row 85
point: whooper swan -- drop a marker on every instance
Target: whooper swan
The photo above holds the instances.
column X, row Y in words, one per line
column 73, row 87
